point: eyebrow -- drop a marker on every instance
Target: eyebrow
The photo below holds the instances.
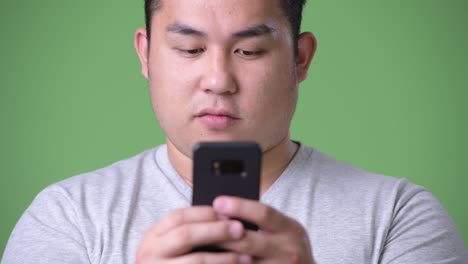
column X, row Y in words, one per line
column 255, row 31
column 183, row 29
column 249, row 32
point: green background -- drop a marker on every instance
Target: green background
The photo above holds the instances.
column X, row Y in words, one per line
column 386, row 92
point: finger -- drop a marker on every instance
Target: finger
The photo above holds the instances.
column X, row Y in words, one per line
column 255, row 244
column 264, row 216
column 182, row 216
column 213, row 258
column 183, row 239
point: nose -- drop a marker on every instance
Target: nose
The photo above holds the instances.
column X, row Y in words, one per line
column 218, row 77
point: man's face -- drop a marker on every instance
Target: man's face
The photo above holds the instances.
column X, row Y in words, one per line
column 222, row 70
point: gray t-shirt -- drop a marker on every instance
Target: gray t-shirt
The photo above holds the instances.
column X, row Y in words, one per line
column 351, row 216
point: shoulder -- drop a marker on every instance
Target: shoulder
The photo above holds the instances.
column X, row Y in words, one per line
column 96, row 191
column 343, row 191
column 122, row 170
column 338, row 176
column 115, row 179
column 407, row 222
column 77, row 217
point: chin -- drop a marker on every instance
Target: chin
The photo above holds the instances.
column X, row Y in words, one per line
column 219, row 139
column 224, row 138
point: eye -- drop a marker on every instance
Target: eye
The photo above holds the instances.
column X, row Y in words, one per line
column 249, row 53
column 190, row 53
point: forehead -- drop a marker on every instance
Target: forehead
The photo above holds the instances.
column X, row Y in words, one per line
column 219, row 15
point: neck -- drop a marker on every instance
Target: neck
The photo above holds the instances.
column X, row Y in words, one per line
column 274, row 162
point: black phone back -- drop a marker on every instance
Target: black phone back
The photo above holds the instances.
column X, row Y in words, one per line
column 225, row 168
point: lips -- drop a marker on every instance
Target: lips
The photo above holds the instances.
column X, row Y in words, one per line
column 217, row 119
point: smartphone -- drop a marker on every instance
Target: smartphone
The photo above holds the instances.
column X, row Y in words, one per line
column 226, row 168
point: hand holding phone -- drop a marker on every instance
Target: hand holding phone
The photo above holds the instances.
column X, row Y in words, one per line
column 226, row 168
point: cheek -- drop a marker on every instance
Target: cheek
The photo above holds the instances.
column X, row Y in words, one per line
column 272, row 86
column 167, row 97
column 170, row 83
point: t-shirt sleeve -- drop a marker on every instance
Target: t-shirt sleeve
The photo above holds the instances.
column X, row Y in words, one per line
column 47, row 232
column 422, row 231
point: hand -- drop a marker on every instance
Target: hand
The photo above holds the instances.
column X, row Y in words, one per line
column 280, row 239
column 173, row 238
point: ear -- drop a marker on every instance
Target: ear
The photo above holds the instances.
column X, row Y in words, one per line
column 141, row 47
column 306, row 46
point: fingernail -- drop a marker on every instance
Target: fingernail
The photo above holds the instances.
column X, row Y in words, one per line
column 236, row 230
column 245, row 259
column 220, row 204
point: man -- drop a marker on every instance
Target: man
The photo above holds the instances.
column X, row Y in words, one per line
column 228, row 70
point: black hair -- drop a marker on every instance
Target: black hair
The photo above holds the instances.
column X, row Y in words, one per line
column 291, row 8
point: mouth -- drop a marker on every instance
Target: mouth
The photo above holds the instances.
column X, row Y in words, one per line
column 217, row 119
